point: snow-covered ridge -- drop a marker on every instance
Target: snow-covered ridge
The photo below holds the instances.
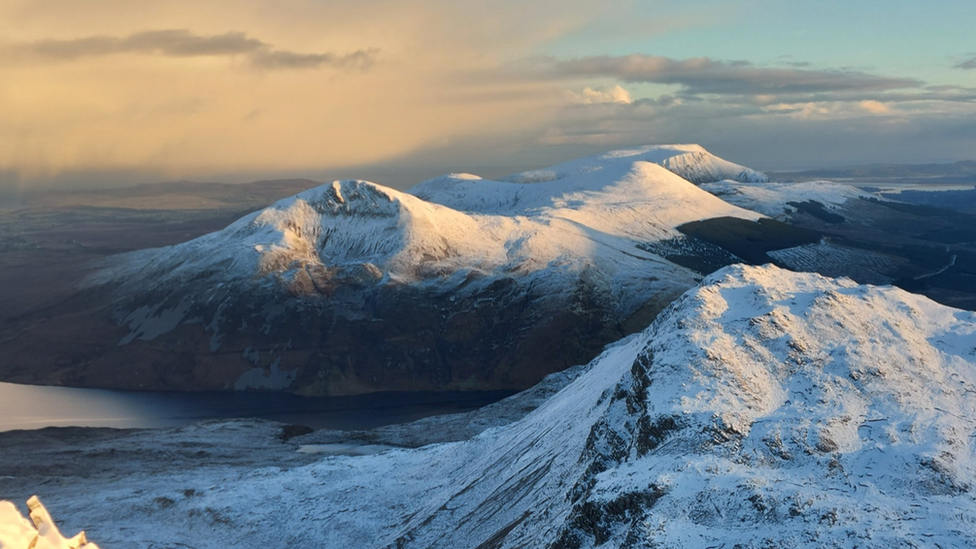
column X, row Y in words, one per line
column 691, row 162
column 445, row 225
column 802, row 410
column 632, row 198
column 337, row 224
column 458, row 222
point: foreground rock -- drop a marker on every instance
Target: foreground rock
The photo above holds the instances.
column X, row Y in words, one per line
column 763, row 409
column 17, row 533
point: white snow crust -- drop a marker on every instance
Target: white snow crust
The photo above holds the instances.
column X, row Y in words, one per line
column 813, row 413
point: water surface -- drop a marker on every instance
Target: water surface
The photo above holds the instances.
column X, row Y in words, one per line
column 34, row 407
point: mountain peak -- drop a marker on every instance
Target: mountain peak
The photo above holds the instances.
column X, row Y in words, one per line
column 691, row 162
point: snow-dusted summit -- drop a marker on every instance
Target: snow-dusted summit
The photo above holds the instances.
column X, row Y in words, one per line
column 445, row 226
column 691, row 162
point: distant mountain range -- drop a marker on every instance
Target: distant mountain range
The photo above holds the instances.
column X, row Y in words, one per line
column 957, row 172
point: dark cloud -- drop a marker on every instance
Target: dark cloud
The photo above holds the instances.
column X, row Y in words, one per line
column 967, row 64
column 704, row 75
column 279, row 59
column 944, row 94
column 183, row 43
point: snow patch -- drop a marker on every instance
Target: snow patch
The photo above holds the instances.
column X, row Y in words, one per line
column 270, row 378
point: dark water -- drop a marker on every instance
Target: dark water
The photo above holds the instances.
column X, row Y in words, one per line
column 32, row 407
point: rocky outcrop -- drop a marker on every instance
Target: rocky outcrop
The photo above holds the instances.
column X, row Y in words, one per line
column 17, row 533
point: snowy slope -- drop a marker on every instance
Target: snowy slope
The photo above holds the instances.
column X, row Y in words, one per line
column 341, row 224
column 363, row 231
column 637, row 199
column 801, row 411
column 691, row 162
column 763, row 409
column 773, row 198
column 453, row 223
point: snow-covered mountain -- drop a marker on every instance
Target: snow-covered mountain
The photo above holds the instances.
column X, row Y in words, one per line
column 609, row 194
column 691, row 162
column 446, row 225
column 461, row 283
column 764, row 408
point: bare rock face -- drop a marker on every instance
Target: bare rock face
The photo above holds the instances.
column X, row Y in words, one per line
column 503, row 333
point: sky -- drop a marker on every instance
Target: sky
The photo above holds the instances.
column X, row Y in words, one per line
column 108, row 93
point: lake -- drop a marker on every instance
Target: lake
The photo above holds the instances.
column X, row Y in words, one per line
column 35, row 407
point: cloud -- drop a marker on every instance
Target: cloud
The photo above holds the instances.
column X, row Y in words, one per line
column 362, row 59
column 966, row 64
column 874, row 107
column 590, row 96
column 109, row 97
column 183, row 43
column 703, row 75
